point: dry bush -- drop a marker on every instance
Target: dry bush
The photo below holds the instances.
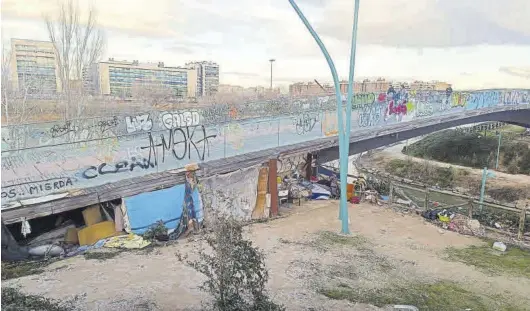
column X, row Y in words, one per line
column 235, row 270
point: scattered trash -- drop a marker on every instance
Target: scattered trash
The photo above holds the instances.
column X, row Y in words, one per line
column 25, row 228
column 319, row 193
column 127, row 241
column 444, row 216
column 81, row 249
column 404, row 202
column 52, row 237
column 499, row 246
column 429, row 214
column 497, row 225
column 372, row 196
column 356, row 200
column 476, row 227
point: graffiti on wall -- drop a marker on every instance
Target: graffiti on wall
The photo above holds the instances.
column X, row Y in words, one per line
column 95, row 151
column 191, row 142
column 138, row 123
column 305, row 122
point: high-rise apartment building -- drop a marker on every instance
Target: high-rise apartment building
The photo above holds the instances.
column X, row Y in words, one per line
column 207, row 77
column 128, row 79
column 34, row 67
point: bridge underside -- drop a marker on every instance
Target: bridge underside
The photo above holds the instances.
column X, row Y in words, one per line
column 516, row 117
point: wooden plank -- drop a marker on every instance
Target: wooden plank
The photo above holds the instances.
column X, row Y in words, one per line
column 273, row 186
column 506, row 208
column 259, row 209
column 47, row 208
column 456, row 206
column 411, row 188
column 463, row 196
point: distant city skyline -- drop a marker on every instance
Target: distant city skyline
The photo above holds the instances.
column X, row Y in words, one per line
column 467, row 44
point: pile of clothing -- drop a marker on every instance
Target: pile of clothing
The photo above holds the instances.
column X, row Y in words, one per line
column 435, row 214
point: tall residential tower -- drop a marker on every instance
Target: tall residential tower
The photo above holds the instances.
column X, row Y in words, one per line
column 207, row 77
column 34, row 67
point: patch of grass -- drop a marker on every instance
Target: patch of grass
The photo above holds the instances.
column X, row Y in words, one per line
column 424, row 171
column 13, row 270
column 514, row 261
column 101, row 255
column 441, row 295
column 14, row 300
column 332, row 238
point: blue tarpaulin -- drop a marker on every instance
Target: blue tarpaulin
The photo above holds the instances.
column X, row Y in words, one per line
column 145, row 209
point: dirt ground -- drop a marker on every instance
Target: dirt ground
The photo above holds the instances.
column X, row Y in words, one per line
column 396, row 247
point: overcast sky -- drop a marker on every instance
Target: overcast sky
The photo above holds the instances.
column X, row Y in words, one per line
column 470, row 43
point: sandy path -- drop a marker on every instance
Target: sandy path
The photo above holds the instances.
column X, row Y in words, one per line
column 132, row 281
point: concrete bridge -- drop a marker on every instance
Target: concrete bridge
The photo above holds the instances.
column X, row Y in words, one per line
column 56, row 166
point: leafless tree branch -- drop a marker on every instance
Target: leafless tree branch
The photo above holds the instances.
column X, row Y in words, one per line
column 78, row 44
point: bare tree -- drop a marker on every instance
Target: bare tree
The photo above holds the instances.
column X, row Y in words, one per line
column 153, row 93
column 18, row 105
column 78, row 44
column 6, row 88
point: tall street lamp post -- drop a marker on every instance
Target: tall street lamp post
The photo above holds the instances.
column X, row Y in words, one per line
column 272, row 60
column 344, row 126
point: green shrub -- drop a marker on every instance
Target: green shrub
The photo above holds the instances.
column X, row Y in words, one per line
column 235, row 271
column 472, row 149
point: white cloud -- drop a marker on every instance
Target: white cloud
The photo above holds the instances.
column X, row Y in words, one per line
column 400, row 39
column 153, row 18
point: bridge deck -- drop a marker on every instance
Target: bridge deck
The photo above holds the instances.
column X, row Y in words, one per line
column 364, row 139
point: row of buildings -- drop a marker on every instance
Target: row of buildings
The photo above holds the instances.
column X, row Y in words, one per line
column 34, row 68
column 247, row 91
column 366, row 86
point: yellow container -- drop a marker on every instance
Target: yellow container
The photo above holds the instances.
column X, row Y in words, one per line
column 444, row 218
column 91, row 234
column 92, row 215
column 71, row 236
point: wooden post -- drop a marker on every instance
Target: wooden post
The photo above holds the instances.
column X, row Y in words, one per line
column 273, row 186
column 426, row 203
column 522, row 220
column 391, row 194
column 470, row 209
column 309, row 168
column 261, row 198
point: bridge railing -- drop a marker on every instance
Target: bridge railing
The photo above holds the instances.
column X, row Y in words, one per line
column 46, row 158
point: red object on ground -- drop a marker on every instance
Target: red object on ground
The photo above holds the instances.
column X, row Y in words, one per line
column 355, row 200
